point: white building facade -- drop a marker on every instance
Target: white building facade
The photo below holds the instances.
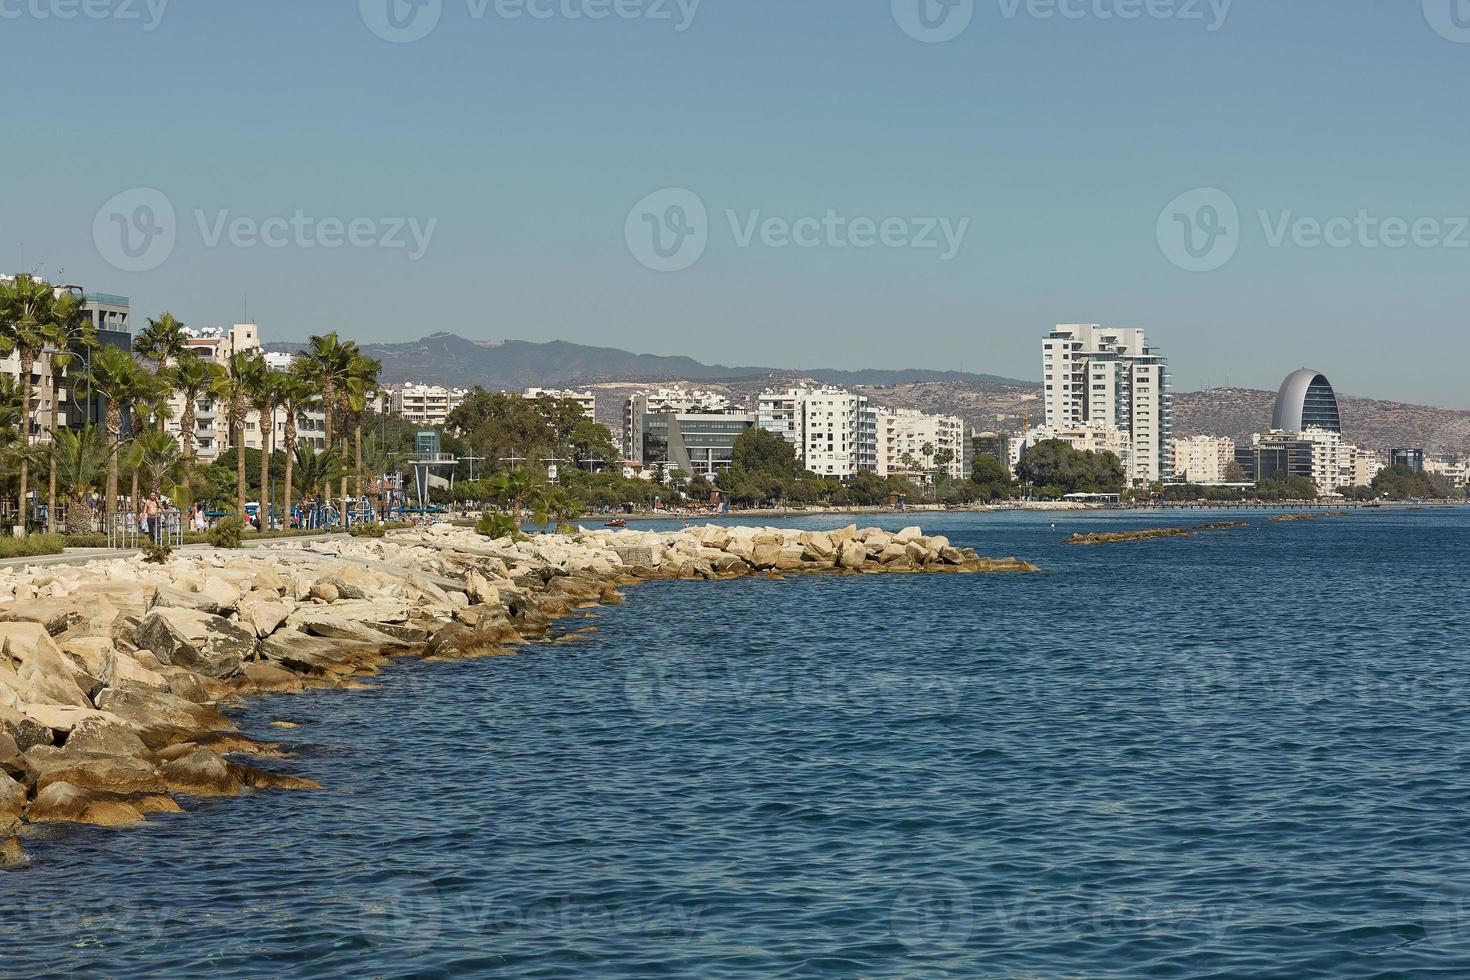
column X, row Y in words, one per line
column 909, row 442
column 1201, row 459
column 427, row 405
column 833, row 431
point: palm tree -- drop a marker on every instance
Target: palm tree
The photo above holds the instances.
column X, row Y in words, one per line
column 121, row 381
column 190, row 379
column 80, row 460
column 265, row 395
column 163, row 341
column 157, row 456
column 315, row 471
column 515, row 490
column 327, row 362
column 25, row 329
column 296, row 392
column 378, row 460
column 362, row 384
column 232, row 387
column 70, row 330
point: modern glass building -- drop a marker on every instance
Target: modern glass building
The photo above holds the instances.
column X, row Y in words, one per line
column 1306, row 401
column 702, row 444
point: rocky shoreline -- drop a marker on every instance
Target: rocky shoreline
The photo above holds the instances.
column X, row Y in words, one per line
column 114, row 675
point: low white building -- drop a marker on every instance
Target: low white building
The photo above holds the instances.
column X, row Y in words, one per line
column 674, row 401
column 427, row 405
column 1201, row 459
column 910, row 441
column 1452, row 467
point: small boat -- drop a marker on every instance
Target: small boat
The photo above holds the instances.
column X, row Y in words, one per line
column 617, row 523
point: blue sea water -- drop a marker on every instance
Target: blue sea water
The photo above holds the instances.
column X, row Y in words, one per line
column 1245, row 753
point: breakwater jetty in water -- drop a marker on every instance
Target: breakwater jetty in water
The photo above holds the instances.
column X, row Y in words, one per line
column 116, row 675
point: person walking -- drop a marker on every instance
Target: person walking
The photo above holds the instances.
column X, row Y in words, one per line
column 153, row 513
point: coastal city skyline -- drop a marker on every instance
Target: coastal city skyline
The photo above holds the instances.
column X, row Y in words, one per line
column 1062, row 201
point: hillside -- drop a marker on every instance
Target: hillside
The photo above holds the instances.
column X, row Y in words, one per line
column 448, row 359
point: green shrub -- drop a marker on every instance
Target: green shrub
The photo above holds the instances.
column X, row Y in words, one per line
column 366, row 531
column 32, row 545
column 498, row 526
column 227, row 533
column 156, row 554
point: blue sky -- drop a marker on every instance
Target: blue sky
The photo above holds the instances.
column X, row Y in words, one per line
column 518, row 147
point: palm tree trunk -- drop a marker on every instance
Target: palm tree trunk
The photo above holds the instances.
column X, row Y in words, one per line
column 357, row 435
column 290, row 451
column 114, row 431
column 239, row 433
column 27, row 364
column 133, row 500
column 266, row 428
column 327, row 397
column 51, row 522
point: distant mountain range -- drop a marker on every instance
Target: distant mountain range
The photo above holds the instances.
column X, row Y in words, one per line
column 448, row 359
column 985, row 401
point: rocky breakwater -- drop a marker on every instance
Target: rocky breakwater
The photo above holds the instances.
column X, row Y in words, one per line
column 115, row 675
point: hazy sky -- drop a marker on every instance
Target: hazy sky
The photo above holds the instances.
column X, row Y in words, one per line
column 956, row 188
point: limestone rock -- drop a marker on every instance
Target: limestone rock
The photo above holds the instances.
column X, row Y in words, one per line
column 161, row 719
column 196, row 771
column 12, row 802
column 264, row 677
column 853, row 555
column 263, row 613
column 325, row 591
column 122, row 774
column 64, row 803
column 208, row 644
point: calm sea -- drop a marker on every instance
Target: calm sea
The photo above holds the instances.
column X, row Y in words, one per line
column 1241, row 754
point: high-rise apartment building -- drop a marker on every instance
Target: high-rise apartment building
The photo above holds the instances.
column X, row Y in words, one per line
column 1097, row 376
